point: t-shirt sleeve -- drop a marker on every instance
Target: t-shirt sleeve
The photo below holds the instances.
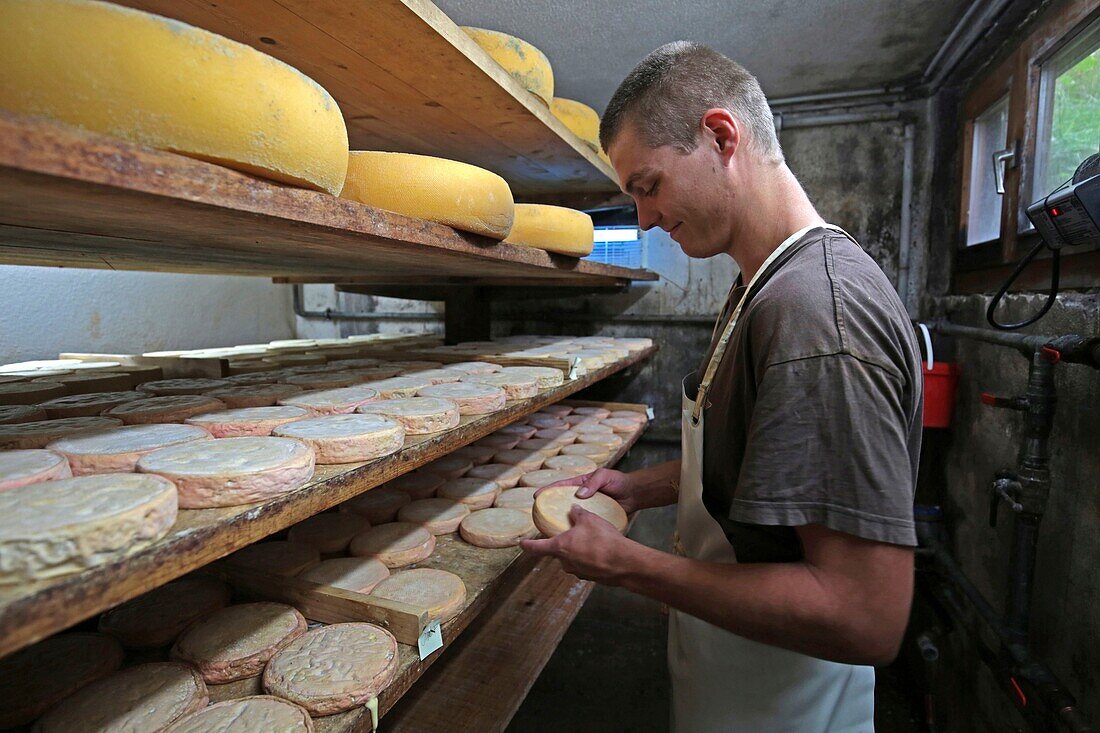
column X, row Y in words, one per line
column 827, row 445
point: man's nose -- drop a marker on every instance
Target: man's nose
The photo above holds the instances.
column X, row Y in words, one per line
column 647, row 217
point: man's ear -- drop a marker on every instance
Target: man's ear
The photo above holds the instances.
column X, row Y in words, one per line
column 722, row 131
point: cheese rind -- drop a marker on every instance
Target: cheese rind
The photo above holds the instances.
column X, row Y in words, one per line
column 553, row 228
column 254, row 395
column 346, row 438
column 169, row 408
column 444, row 191
column 438, row 516
column 332, row 401
column 581, row 119
column 40, row 433
column 355, row 574
column 515, row 387
column 245, row 421
column 525, row 63
column 162, row 83
column 442, row 594
column 552, row 507
column 505, row 476
column 472, row 399
column 88, row 405
column 476, row 493
column 521, row 498
column 23, row 467
column 13, row 414
column 264, row 713
column 65, row 526
column 419, row 415
column 499, row 527
column 394, row 544
column 117, row 450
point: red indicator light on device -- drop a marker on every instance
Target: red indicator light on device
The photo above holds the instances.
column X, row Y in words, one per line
column 1055, row 211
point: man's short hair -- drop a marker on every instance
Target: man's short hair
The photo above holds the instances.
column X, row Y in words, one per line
column 666, row 94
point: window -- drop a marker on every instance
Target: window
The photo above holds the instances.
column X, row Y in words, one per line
column 990, row 130
column 619, row 246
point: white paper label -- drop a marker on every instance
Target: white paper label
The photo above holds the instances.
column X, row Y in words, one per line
column 372, row 706
column 430, row 640
column 573, row 368
column 649, row 412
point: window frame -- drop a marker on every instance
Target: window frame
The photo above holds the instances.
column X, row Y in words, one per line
column 984, row 266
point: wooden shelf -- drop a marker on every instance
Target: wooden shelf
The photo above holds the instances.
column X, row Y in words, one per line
column 77, row 199
column 31, row 612
column 409, row 80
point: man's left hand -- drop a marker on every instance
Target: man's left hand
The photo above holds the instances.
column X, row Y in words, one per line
column 592, row 549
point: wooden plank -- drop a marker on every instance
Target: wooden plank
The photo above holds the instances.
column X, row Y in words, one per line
column 408, row 79
column 33, row 611
column 73, row 198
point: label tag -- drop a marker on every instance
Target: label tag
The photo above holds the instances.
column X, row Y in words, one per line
column 649, row 412
column 573, row 368
column 430, row 640
column 372, row 706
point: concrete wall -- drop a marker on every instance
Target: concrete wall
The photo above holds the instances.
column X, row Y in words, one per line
column 44, row 311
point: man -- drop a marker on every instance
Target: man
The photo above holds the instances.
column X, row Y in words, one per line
column 792, row 571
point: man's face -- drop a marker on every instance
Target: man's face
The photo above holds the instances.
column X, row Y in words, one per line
column 687, row 195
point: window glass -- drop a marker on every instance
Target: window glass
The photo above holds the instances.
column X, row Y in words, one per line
column 984, row 211
column 618, row 246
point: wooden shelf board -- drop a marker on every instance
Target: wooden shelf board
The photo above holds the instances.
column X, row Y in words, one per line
column 31, row 612
column 78, row 199
column 409, row 80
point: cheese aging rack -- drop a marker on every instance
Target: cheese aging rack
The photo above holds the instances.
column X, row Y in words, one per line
column 406, row 78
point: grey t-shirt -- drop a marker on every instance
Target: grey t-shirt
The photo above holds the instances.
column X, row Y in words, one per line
column 814, row 414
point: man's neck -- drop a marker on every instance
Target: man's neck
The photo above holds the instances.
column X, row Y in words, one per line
column 780, row 208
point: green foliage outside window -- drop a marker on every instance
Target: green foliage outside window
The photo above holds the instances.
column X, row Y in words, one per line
column 1075, row 128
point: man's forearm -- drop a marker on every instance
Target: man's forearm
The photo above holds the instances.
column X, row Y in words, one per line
column 657, row 485
column 781, row 604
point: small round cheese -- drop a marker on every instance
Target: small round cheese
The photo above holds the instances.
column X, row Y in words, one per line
column 346, row 438
column 237, row 641
column 610, row 441
column 500, row 527
column 395, row 544
column 527, row 460
column 28, row 393
column 182, row 386
column 438, row 516
column 98, row 380
column 88, row 405
column 472, row 399
column 515, row 387
column 593, row 428
column 448, row 467
column 547, row 447
column 276, row 558
column 545, row 422
column 552, row 507
column 546, row 476
column 256, row 713
column 323, row 380
column 576, row 464
column 547, row 377
column 254, row 395
column 156, row 618
column 440, row 593
column 504, row 475
column 330, row 532
column 592, row 451
column 476, row 493
column 254, row 378
column 521, row 498
column 561, row 436
column 419, row 415
column 515, row 430
column 396, row 388
column 23, row 467
column 146, row 698
column 553, row 228
column 333, row 668
column 65, row 526
column 499, row 441
column 333, row 401
column 575, row 420
column 245, row 421
column 117, row 450
column 417, row 484
column 525, row 63
column 581, row 119
column 231, row 471
column 436, row 376
column 473, row 367
column 12, row 414
column 39, row 434
column 355, row 574
column 621, row 424
column 475, row 454
column 378, row 505
column 637, row 417
column 559, row 411
column 174, row 408
column 597, row 412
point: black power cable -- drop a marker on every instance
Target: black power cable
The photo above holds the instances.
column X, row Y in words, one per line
column 1055, row 261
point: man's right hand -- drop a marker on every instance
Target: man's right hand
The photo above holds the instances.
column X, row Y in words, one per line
column 641, row 489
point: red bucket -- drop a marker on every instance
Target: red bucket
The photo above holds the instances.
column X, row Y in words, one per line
column 940, row 383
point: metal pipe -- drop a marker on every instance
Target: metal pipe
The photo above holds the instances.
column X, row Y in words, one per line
column 842, row 118
column 905, row 236
column 827, row 96
column 976, row 21
column 1070, row 348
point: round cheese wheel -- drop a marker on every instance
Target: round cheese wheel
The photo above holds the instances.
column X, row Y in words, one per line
column 621, row 424
column 416, row 484
column 23, row 467
column 499, row 441
column 395, row 544
column 254, row 395
column 435, row 376
column 476, row 493
column 521, row 498
column 444, row 191
column 253, row 378
column 164, row 387
column 448, row 467
column 231, row 471
column 576, row 464
column 554, row 229
column 28, row 393
column 39, row 434
column 525, row 63
column 574, row 420
column 526, row 460
column 581, row 119
column 332, row 401
column 472, row 399
column 504, row 475
column 515, row 387
column 378, row 505
column 34, row 679
column 610, row 441
column 593, row 428
column 175, row 408
column 120, row 76
column 237, row 641
column 588, row 358
column 65, row 526
column 355, row 574
column 395, row 388
column 356, row 363
column 559, row 411
column 256, row 713
column 416, row 365
column 547, row 377
column 12, row 414
column 330, row 532
column 245, row 421
column 88, row 405
column 552, row 506
column 333, row 668
column 440, row 593
column 346, row 438
column 546, row 447
column 117, row 450
column 323, row 380
column 637, row 417
column 500, row 527
column 561, row 436
column 248, row 367
column 592, row 451
column 475, row 454
column 438, row 516
column 545, row 422
column 515, row 430
column 156, row 618
column 146, row 698
column 546, row 476
column 473, row 367
column 278, row 557
column 419, row 415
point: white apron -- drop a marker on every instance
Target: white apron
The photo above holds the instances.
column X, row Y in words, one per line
column 724, row 683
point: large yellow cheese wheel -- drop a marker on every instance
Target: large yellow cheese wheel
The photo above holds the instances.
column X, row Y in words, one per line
column 580, row 118
column 165, row 84
column 457, row 194
column 527, row 65
column 553, row 228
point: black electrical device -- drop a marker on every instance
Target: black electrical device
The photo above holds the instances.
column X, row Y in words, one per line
column 1068, row 217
